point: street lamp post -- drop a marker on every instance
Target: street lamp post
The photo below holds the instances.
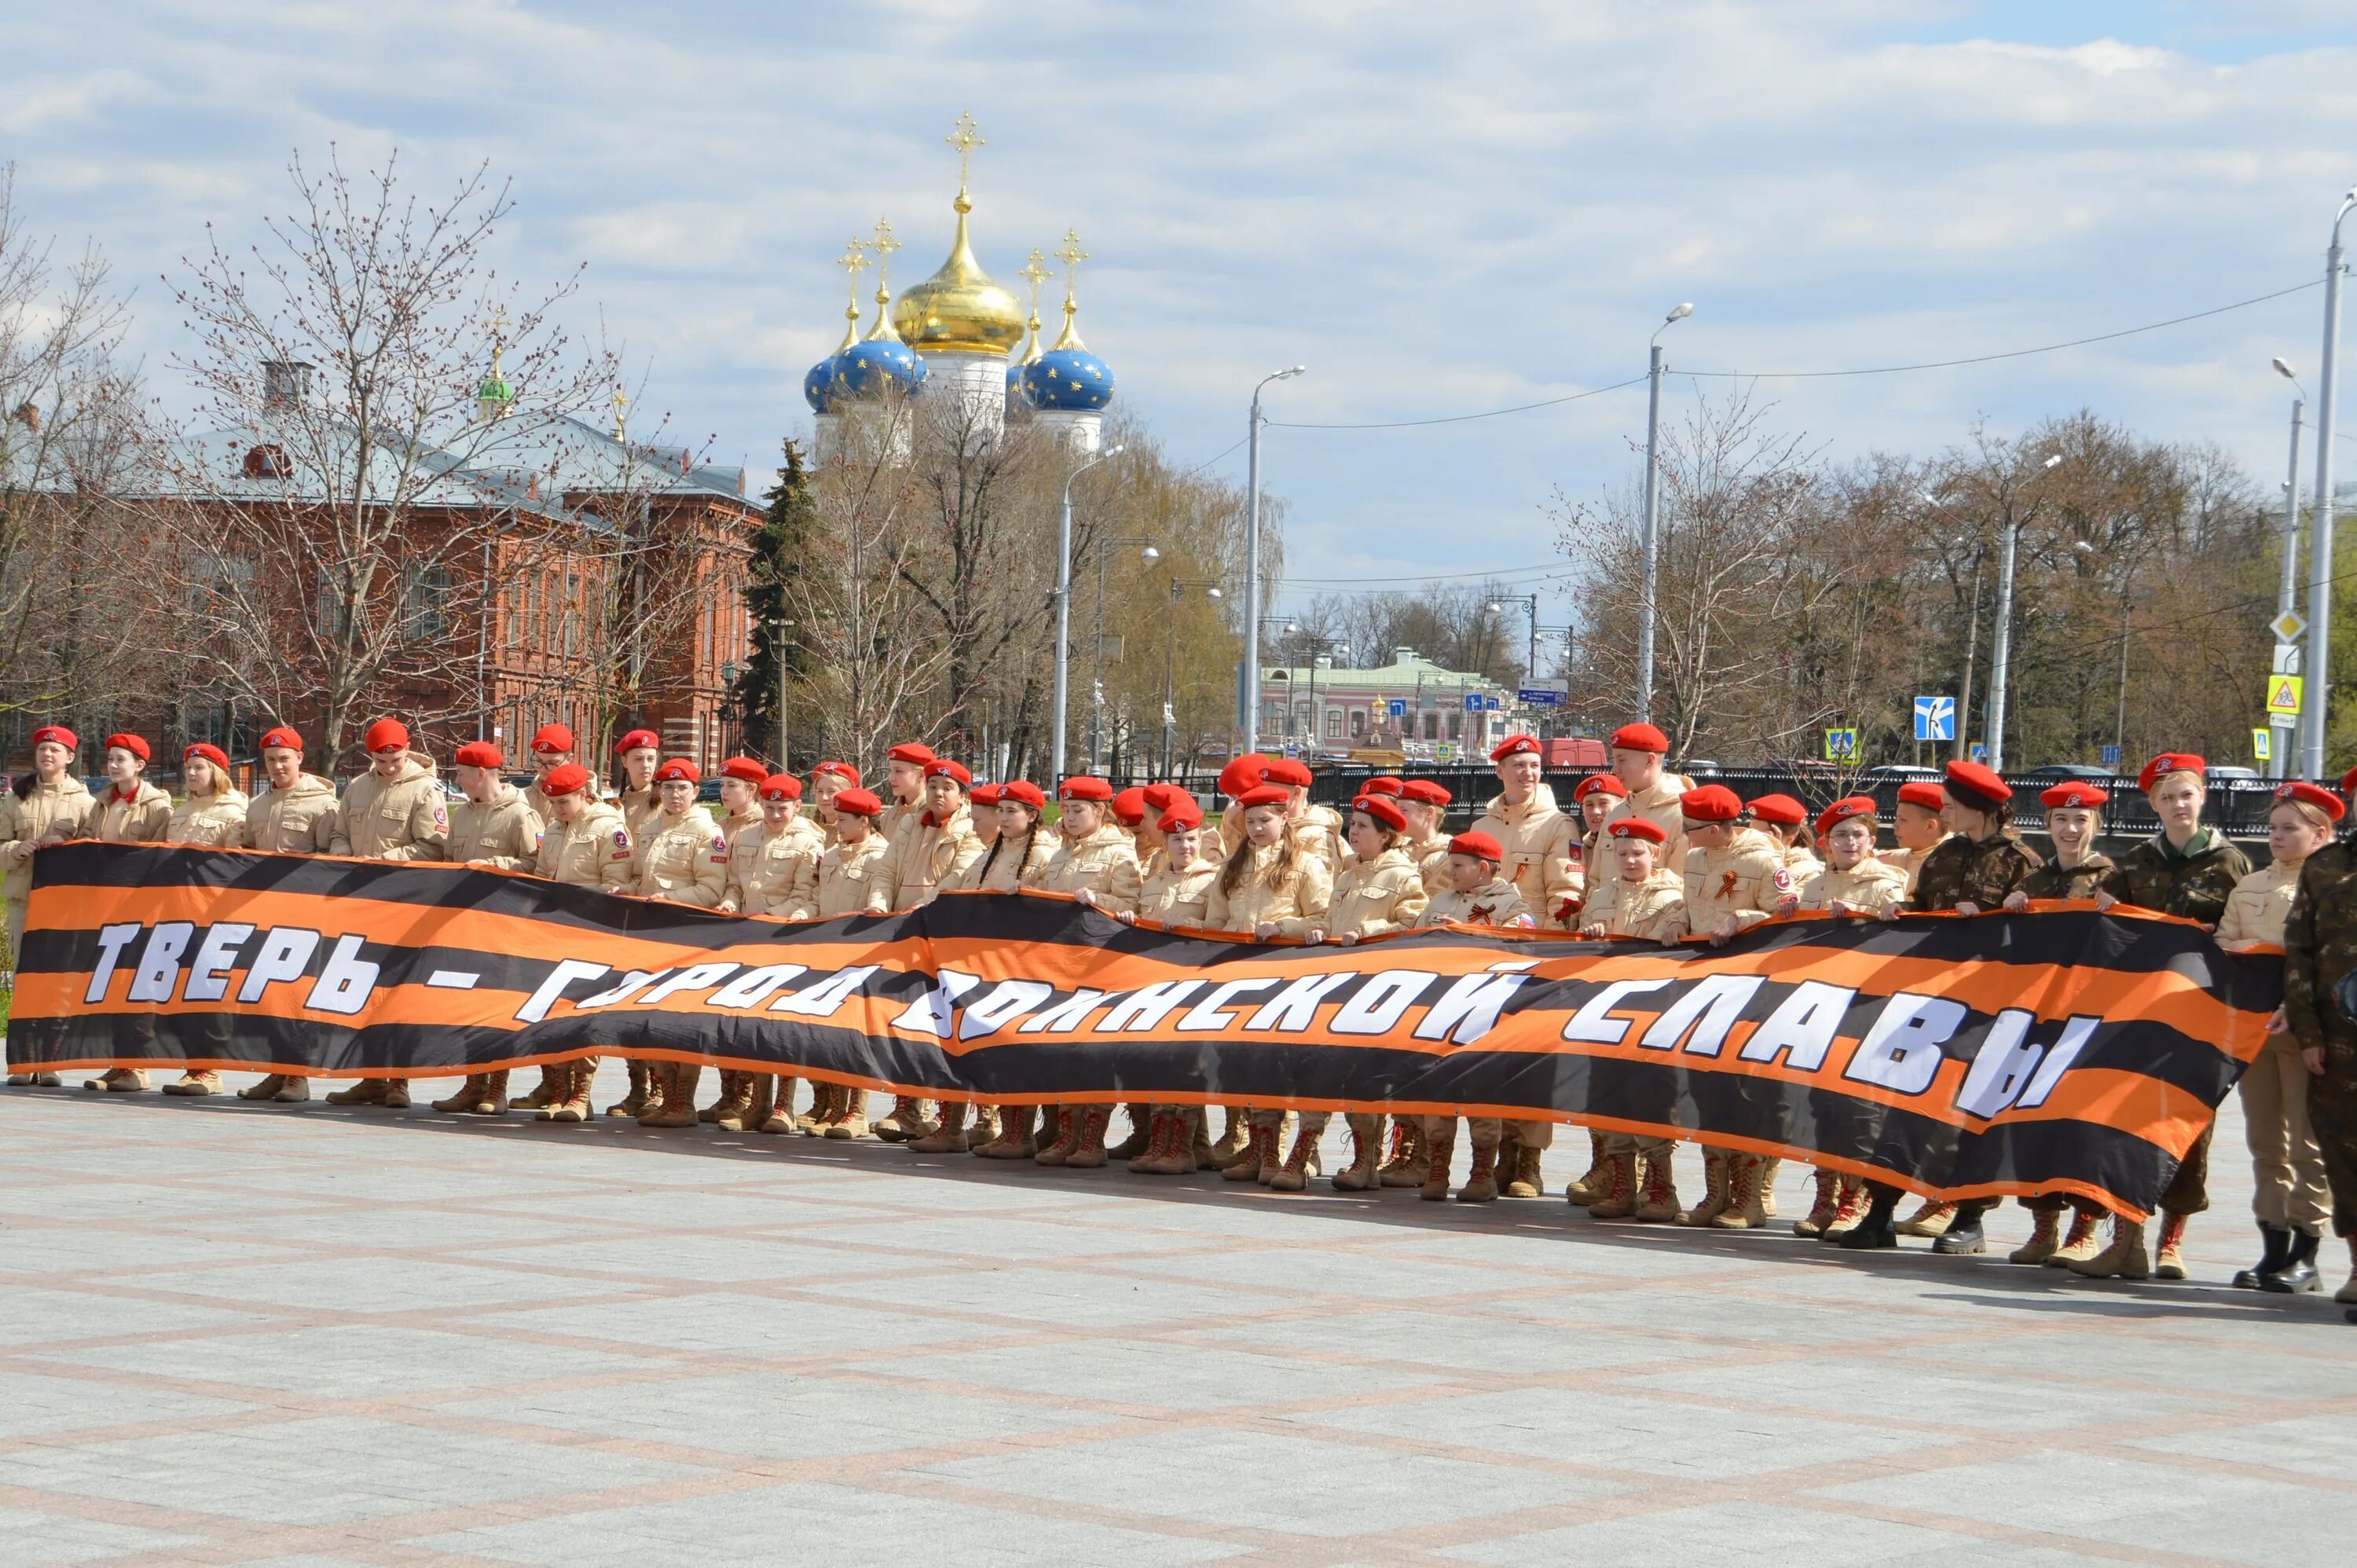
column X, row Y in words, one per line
column 2319, row 663
column 1652, row 569
column 2287, row 589
column 2001, row 646
column 1064, row 602
column 1096, row 712
column 1171, row 666
column 1248, row 698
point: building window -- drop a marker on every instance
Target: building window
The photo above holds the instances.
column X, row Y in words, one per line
column 1358, row 723
column 1333, row 724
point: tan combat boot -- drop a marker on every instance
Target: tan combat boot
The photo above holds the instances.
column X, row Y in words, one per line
column 1168, row 1152
column 1247, row 1165
column 1588, row 1187
column 1407, row 1165
column 1769, row 1165
column 568, row 1102
column 679, row 1098
column 2082, row 1242
column 367, row 1091
column 196, row 1082
column 2168, row 1249
column 1141, row 1135
column 396, row 1094
column 119, row 1081
column 781, row 1117
column 824, row 1107
column 1714, row 1188
column 850, row 1117
column 946, row 1136
column 462, row 1102
column 1655, row 1178
column 712, row 1113
column 267, row 1089
column 635, row 1101
column 1848, row 1210
column 765, row 1101
column 1438, row 1150
column 1089, row 1144
column 2045, row 1237
column 982, row 1129
column 1821, row 1212
column 2347, row 1293
column 292, row 1090
column 2124, row 1259
column 492, row 1095
column 1931, row 1220
column 658, row 1095
column 1199, row 1137
column 1743, row 1211
column 903, row 1122
column 734, row 1109
column 1272, row 1151
column 1481, row 1181
column 1233, row 1136
column 1059, row 1149
column 1292, row 1176
column 1363, row 1173
column 1014, row 1140
column 555, row 1079
column 1618, row 1201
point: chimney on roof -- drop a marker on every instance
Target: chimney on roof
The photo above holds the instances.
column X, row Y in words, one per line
column 1403, row 656
column 285, row 382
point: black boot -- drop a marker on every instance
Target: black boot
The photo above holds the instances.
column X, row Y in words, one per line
column 1964, row 1232
column 1877, row 1228
column 2275, row 1246
column 2296, row 1271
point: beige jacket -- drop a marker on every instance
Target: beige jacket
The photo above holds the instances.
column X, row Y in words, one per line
column 594, row 851
column 776, row 874
column 1908, row 861
column 684, row 860
column 217, row 823
column 1294, row 905
column 142, row 819
column 505, row 832
column 638, row 808
column 1496, row 902
column 928, row 857
column 55, row 812
column 1869, row 885
column 1106, row 862
column 1543, row 860
column 1179, row 898
column 2260, row 905
column 1658, row 804
column 851, row 878
column 1370, row 899
column 1747, row 880
column 300, row 819
column 1000, row 869
column 404, row 818
column 1431, row 857
column 1650, row 908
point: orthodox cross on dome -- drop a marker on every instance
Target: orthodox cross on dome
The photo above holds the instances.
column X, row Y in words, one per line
column 853, row 262
column 621, row 406
column 1036, row 269
column 965, row 136
column 1071, row 255
column 883, row 245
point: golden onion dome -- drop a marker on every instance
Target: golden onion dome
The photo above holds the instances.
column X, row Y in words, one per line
column 959, row 310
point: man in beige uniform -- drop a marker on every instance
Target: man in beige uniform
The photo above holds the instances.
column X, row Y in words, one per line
column 584, row 843
column 1096, row 863
column 1478, row 895
column 393, row 812
column 492, row 827
column 1919, row 825
column 294, row 814
column 1542, row 845
column 1637, row 753
column 1635, row 1178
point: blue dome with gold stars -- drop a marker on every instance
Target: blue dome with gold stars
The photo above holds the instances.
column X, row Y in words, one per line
column 1068, row 380
column 819, row 384
column 870, row 368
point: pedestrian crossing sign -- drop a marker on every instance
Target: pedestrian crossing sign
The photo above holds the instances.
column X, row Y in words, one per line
column 1841, row 745
column 2263, row 746
column 2283, row 693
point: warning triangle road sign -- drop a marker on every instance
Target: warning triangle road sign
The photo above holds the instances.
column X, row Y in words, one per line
column 2283, row 695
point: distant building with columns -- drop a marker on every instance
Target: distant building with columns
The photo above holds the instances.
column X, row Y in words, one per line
column 1319, row 706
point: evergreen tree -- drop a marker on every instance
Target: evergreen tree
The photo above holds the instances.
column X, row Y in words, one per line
column 782, row 544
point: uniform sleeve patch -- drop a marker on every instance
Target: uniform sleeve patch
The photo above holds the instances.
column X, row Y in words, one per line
column 1784, row 880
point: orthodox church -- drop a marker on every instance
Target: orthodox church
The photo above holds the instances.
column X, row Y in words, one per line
column 953, row 358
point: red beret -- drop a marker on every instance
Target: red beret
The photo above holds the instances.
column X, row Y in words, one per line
column 565, row 778
column 1599, row 784
column 1381, row 784
column 1023, row 792
column 1182, row 816
column 1263, row 795
column 744, row 767
column 985, row 794
column 479, row 754
column 915, row 751
column 1382, row 810
column 2348, row 781
column 638, row 740
column 59, row 734
column 2314, row 795
column 1243, row 773
column 1129, row 806
column 210, row 752
column 1638, row 828
column 1781, row 809
column 1084, row 787
column 1424, row 791
column 387, row 734
column 781, row 787
column 1478, row 845
column 1847, row 807
column 858, row 802
column 2167, row 763
column 1162, row 796
column 1924, row 793
column 677, row 769
column 1284, row 770
column 843, row 771
column 1639, row 738
column 135, row 744
column 1979, row 786
column 1514, row 745
column 282, row 737
column 551, row 738
column 2075, row 792
column 1710, row 804
column 942, row 768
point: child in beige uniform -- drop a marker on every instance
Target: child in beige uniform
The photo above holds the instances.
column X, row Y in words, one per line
column 1269, row 887
column 1178, row 892
column 1477, row 895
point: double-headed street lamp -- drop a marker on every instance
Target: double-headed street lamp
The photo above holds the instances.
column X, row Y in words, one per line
column 2318, row 662
column 1064, row 601
column 1248, row 697
column 2287, row 586
column 1651, row 585
column 2001, row 647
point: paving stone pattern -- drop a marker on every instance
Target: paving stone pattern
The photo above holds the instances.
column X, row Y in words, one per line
column 243, row 1333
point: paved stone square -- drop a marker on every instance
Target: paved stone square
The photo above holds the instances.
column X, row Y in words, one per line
column 307, row 1335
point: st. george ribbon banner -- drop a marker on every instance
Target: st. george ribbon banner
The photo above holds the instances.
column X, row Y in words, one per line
column 2060, row 1050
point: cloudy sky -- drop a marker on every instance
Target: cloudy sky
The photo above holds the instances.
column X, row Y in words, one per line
column 1439, row 210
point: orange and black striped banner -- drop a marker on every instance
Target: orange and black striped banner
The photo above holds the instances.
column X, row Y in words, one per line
column 2058, row 1051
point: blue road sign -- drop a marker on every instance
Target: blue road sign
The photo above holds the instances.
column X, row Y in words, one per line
column 1935, row 719
column 1472, row 702
column 1489, row 705
column 1540, row 697
column 2111, row 757
column 1396, row 707
column 1979, row 751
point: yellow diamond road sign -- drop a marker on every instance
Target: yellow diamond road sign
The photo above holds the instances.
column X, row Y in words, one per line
column 2287, row 626
column 2283, row 693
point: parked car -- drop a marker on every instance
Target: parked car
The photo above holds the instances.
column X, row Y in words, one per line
column 1901, row 773
column 2058, row 772
column 1700, row 769
column 2235, row 775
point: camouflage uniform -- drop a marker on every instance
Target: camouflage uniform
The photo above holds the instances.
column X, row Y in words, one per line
column 2194, row 883
column 2319, row 948
column 2054, row 880
column 1982, row 871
